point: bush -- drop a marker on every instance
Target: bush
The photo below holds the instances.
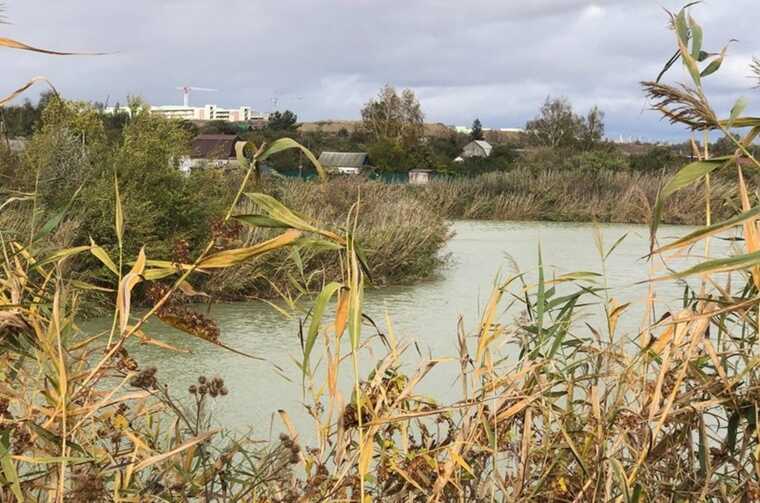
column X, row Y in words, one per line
column 656, row 159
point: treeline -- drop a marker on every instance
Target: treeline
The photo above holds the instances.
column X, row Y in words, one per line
column 392, row 132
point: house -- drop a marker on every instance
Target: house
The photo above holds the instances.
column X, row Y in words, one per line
column 15, row 145
column 420, row 176
column 217, row 150
column 477, row 148
column 344, row 163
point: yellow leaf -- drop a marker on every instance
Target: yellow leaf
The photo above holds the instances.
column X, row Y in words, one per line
column 341, row 316
column 23, row 88
column 128, row 282
column 236, row 256
column 119, row 422
column 166, row 455
column 460, row 461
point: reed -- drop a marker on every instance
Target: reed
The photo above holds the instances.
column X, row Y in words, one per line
column 574, row 195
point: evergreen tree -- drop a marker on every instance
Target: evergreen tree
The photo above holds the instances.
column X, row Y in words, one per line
column 477, row 130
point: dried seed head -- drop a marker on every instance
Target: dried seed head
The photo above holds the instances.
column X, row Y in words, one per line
column 294, row 458
column 145, row 379
column 681, row 105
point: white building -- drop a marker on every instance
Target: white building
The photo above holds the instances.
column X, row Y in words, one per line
column 468, row 130
column 205, row 113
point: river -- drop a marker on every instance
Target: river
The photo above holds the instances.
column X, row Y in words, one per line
column 426, row 312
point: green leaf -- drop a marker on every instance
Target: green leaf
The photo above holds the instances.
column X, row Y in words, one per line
column 715, row 64
column 710, row 230
column 287, row 144
column 53, row 438
column 278, row 212
column 317, row 244
column 685, row 177
column 682, row 29
column 260, row 221
column 732, row 432
column 637, row 492
column 540, row 296
column 615, row 245
column 736, row 111
column 735, row 263
column 61, row 254
column 56, row 219
column 82, row 285
column 119, row 214
column 318, row 311
column 355, row 301
column 621, row 477
column 696, row 38
column 102, row 255
column 9, row 469
column 691, row 66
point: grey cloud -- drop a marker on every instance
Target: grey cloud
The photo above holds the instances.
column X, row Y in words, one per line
column 495, row 59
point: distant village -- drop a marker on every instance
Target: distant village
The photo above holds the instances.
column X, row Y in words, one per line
column 218, row 149
column 415, row 153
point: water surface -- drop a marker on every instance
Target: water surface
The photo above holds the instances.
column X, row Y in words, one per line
column 425, row 312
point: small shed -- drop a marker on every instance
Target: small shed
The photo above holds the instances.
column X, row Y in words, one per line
column 420, row 176
column 477, row 148
column 345, row 163
column 216, row 150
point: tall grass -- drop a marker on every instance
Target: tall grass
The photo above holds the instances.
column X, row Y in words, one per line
column 570, row 195
column 401, row 236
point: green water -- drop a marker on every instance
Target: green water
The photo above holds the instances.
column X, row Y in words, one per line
column 425, row 312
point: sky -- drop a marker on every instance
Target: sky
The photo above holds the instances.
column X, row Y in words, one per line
column 497, row 60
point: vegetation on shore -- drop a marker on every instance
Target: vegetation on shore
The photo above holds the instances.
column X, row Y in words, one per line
column 583, row 413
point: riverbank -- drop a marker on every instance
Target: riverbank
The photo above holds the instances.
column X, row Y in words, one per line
column 403, row 228
column 608, row 196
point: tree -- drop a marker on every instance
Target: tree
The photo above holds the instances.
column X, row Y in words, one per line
column 558, row 126
column 593, row 127
column 282, row 121
column 392, row 118
column 477, row 130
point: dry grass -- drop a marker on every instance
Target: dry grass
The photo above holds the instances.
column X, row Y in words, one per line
column 569, row 196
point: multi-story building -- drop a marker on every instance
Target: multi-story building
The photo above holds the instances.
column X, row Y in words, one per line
column 205, row 113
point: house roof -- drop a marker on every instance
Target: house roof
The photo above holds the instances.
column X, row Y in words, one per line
column 214, row 146
column 343, row 159
column 484, row 145
column 17, row 145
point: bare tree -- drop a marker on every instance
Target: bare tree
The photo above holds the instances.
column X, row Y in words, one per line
column 558, row 126
column 394, row 118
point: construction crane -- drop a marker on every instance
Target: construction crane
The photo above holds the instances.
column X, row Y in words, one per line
column 186, row 92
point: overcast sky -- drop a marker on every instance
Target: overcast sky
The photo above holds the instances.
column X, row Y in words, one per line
column 492, row 59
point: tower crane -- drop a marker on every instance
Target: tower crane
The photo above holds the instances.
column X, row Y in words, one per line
column 187, row 89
